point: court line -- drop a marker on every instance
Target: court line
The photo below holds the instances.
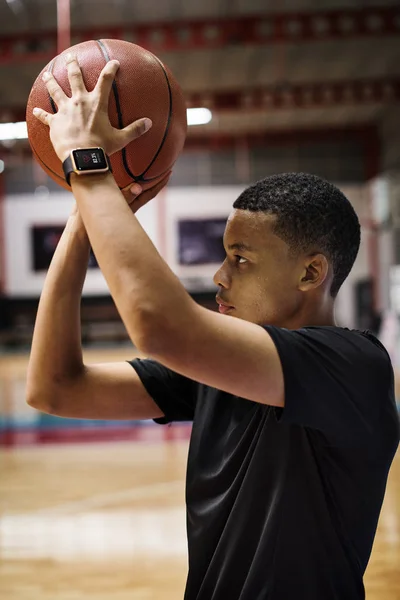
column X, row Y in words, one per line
column 136, row 493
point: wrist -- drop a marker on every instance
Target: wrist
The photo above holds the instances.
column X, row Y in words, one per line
column 91, row 180
column 86, row 161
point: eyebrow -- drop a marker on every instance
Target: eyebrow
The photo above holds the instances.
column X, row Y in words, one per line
column 240, row 247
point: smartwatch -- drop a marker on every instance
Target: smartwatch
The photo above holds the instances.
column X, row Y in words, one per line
column 86, row 161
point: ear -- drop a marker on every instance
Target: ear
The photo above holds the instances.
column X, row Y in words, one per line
column 314, row 273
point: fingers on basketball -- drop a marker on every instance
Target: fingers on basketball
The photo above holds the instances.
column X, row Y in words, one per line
column 105, row 82
column 42, row 115
column 75, row 75
column 54, row 89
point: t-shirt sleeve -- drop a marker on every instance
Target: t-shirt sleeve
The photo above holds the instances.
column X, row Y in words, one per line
column 174, row 394
column 336, row 380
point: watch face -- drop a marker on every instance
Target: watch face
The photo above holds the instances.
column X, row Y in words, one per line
column 90, row 159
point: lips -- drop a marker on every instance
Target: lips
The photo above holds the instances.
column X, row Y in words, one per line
column 223, row 306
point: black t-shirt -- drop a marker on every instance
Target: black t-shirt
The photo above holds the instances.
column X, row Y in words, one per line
column 283, row 504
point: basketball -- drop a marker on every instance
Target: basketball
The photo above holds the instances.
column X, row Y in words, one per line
column 143, row 87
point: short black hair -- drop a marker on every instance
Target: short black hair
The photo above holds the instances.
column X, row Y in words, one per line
column 312, row 215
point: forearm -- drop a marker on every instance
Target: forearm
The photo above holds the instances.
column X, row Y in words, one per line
column 56, row 352
column 140, row 281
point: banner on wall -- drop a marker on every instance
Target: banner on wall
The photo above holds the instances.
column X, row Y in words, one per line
column 32, row 228
column 44, row 241
column 200, row 241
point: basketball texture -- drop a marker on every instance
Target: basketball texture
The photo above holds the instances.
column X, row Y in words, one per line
column 143, row 87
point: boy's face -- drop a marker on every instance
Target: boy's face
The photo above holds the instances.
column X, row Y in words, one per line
column 259, row 278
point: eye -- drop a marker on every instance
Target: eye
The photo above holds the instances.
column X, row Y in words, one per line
column 240, row 260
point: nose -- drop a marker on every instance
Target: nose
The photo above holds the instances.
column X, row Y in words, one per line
column 222, row 276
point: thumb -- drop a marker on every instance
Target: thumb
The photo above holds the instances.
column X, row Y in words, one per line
column 135, row 130
column 131, row 192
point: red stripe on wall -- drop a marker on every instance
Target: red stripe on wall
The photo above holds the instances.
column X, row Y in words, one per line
column 75, row 435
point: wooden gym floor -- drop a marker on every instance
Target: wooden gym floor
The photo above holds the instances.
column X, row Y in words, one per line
column 106, row 521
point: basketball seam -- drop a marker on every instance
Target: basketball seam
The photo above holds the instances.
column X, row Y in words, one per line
column 169, row 117
column 140, row 178
column 118, row 105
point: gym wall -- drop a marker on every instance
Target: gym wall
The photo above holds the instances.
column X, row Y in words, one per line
column 161, row 219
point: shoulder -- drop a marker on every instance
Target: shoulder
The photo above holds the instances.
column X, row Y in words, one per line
column 338, row 381
column 353, row 341
column 324, row 335
column 350, row 347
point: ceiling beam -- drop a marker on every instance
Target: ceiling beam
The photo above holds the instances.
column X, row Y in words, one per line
column 283, row 137
column 302, row 95
column 211, row 33
column 326, row 94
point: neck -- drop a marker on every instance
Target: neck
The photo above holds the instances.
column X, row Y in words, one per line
column 316, row 315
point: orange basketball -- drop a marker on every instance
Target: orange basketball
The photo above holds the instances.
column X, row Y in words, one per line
column 143, row 87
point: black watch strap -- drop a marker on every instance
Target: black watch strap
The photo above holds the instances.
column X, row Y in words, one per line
column 68, row 167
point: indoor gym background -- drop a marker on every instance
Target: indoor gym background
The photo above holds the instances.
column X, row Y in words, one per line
column 96, row 509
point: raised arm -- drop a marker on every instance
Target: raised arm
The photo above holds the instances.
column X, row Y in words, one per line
column 58, row 382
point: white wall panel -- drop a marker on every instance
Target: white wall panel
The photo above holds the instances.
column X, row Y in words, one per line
column 21, row 212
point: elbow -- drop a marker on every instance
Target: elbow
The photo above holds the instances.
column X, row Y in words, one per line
column 45, row 398
column 46, row 392
column 33, row 397
column 39, row 400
